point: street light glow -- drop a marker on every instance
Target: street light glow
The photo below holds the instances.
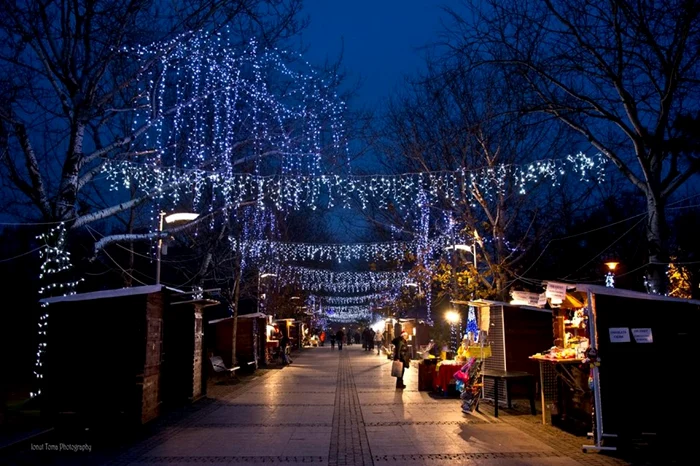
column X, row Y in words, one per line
column 612, row 265
column 180, row 217
column 460, row 247
column 452, row 317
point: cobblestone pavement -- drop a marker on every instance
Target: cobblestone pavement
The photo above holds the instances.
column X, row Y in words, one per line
column 341, row 408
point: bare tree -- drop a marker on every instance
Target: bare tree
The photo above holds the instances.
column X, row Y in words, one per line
column 70, row 90
column 622, row 74
column 457, row 117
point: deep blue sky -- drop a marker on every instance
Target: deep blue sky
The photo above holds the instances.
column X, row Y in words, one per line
column 379, row 38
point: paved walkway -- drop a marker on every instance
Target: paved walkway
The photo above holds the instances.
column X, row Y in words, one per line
column 340, row 408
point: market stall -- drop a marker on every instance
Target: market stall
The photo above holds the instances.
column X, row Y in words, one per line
column 613, row 352
column 515, row 332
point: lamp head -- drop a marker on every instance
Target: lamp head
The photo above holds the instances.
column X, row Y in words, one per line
column 181, row 217
column 612, row 265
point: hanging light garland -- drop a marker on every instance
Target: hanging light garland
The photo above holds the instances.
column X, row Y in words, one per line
column 336, row 252
column 349, row 300
column 348, row 313
column 284, row 192
column 341, row 282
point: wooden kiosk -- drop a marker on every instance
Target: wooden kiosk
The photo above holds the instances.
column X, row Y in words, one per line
column 634, row 343
column 112, row 355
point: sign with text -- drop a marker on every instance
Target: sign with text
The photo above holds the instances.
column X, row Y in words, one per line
column 642, row 335
column 525, row 298
column 556, row 292
column 619, row 334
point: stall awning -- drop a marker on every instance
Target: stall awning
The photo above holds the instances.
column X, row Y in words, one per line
column 105, row 294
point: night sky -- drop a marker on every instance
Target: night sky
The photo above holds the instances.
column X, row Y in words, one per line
column 382, row 40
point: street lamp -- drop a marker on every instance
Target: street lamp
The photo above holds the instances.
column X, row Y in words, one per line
column 464, row 247
column 172, row 218
column 610, row 276
column 260, row 277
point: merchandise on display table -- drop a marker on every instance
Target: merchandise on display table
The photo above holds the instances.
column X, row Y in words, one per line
column 568, row 403
column 469, row 380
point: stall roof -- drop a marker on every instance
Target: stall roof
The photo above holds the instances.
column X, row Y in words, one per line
column 605, row 290
column 133, row 291
column 481, row 302
column 259, row 315
column 202, row 302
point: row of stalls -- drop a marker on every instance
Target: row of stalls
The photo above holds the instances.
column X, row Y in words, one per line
column 122, row 356
column 611, row 364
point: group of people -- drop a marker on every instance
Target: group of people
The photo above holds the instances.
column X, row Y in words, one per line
column 368, row 339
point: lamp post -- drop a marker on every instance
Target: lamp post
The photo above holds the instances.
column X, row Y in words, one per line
column 465, row 247
column 610, row 276
column 260, row 277
column 172, row 218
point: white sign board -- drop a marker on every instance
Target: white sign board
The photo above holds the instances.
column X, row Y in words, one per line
column 556, row 292
column 542, row 299
column 642, row 335
column 525, row 298
column 619, row 334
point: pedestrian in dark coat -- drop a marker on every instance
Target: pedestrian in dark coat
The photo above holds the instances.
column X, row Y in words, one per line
column 401, row 353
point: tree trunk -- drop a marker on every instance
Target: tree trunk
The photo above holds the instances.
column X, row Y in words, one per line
column 657, row 245
column 236, row 295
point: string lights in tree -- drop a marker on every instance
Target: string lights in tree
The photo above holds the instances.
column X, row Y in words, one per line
column 55, row 260
column 211, row 104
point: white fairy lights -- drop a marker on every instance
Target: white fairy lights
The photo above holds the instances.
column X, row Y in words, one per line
column 56, row 259
column 286, row 191
column 328, row 281
column 346, row 314
column 336, row 252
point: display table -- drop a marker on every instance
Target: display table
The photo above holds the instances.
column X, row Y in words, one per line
column 270, row 346
column 426, row 375
column 506, row 377
column 443, row 375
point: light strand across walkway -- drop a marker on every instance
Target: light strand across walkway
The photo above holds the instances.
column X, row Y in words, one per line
column 294, row 192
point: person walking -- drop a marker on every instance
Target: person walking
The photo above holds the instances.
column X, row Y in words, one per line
column 322, row 337
column 284, row 346
column 371, row 339
column 378, row 341
column 339, row 335
column 332, row 340
column 401, row 353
